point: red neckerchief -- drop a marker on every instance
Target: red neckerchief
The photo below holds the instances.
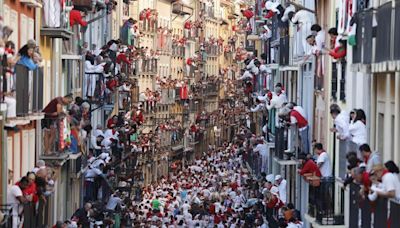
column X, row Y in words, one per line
column 385, row 171
column 366, row 159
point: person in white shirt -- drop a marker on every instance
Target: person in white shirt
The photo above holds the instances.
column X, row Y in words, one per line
column 390, row 187
column 246, row 75
column 262, row 149
column 341, row 121
column 319, row 36
column 90, row 174
column 303, row 19
column 281, row 184
column 114, row 201
column 15, row 198
column 323, row 161
column 370, row 158
column 357, row 129
column 260, row 106
column 91, row 71
column 277, row 101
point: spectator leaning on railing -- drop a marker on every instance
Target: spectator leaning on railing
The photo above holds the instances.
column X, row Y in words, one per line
column 53, row 112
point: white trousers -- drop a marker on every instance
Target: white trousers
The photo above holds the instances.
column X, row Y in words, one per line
column 11, row 106
column 90, row 85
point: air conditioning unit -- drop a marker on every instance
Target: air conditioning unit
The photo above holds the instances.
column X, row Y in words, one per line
column 75, row 165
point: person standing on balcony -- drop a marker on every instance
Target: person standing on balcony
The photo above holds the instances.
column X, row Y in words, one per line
column 282, row 185
column 9, row 94
column 341, row 122
column 370, row 158
column 53, row 111
column 15, row 198
column 91, row 72
column 274, row 8
column 308, row 166
column 323, row 160
column 358, row 131
column 298, row 117
column 276, row 103
column 26, row 54
column 303, row 19
column 262, row 149
column 76, row 17
column 390, row 183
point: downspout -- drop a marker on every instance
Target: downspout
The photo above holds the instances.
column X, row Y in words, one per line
column 4, row 168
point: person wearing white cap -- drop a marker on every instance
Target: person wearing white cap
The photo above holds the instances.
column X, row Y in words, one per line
column 281, row 184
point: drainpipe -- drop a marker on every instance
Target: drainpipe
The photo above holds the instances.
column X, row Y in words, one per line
column 4, row 168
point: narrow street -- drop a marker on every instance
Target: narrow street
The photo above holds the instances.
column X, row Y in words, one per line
column 199, row 113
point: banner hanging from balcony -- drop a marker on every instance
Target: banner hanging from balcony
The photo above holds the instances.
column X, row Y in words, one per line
column 347, row 8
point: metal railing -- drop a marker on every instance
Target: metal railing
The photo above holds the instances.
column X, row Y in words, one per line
column 380, row 213
column 146, row 66
column 397, row 31
column 55, row 138
column 321, row 203
column 178, row 51
column 148, row 25
column 192, row 33
column 213, row 50
column 167, row 96
column 28, row 90
column 383, row 49
column 284, row 50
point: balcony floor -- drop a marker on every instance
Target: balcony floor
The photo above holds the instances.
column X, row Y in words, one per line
column 315, row 224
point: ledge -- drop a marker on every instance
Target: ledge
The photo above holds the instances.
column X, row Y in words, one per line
column 62, row 33
column 361, row 67
column 31, row 3
column 315, row 224
column 290, row 68
column 56, row 159
column 285, row 162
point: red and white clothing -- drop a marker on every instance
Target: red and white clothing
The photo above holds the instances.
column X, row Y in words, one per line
column 298, row 119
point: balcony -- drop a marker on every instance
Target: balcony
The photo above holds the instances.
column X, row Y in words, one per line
column 148, row 26
column 181, row 9
column 32, row 3
column 211, row 90
column 167, row 96
column 397, row 32
column 192, row 34
column 383, row 51
column 83, row 4
column 146, row 66
column 56, row 23
column 321, row 203
column 28, row 91
column 213, row 50
column 284, row 50
column 178, row 51
column 164, row 46
column 56, row 144
column 362, row 211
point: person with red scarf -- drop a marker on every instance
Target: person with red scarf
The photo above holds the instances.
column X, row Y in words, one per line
column 340, row 51
column 31, row 189
column 247, row 13
column 112, row 122
column 308, row 166
column 390, row 187
column 76, row 17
